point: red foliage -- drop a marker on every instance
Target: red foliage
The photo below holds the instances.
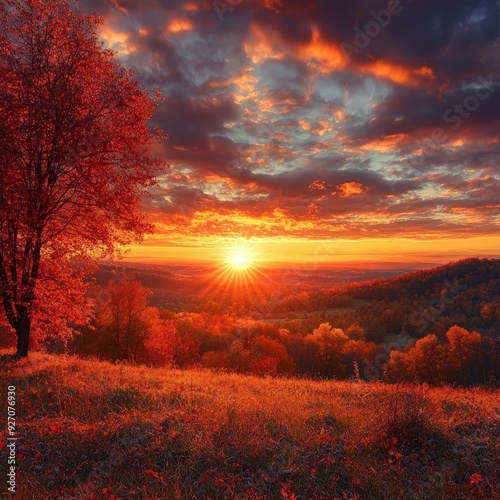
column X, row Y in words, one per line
column 266, row 348
column 264, row 366
column 75, row 153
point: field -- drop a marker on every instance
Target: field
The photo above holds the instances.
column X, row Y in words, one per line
column 90, row 429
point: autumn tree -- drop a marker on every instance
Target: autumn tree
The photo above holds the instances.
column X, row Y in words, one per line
column 331, row 344
column 266, row 348
column 159, row 346
column 398, row 367
column 303, row 351
column 463, row 353
column 456, row 361
column 360, row 353
column 75, row 158
column 425, row 360
column 185, row 350
column 123, row 311
column 166, row 344
column 355, row 332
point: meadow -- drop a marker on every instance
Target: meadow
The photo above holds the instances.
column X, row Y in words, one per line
column 97, row 430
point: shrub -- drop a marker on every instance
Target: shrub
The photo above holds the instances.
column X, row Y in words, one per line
column 403, row 414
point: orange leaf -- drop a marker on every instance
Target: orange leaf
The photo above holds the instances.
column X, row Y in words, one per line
column 476, row 478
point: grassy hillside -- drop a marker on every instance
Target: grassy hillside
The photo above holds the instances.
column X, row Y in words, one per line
column 89, row 429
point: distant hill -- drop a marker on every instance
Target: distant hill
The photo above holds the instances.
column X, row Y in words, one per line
column 150, row 277
column 466, row 293
column 184, row 287
column 468, row 273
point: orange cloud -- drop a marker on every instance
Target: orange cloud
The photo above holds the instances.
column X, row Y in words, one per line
column 315, row 252
column 385, row 144
column 318, row 185
column 402, row 75
column 261, row 46
column 190, row 7
column 323, row 55
column 349, row 189
column 179, row 26
column 117, row 40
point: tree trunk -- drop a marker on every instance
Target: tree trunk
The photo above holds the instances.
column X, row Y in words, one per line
column 23, row 334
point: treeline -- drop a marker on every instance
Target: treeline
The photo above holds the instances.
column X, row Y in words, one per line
column 126, row 328
column 465, row 358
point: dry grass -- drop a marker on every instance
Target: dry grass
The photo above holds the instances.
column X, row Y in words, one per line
column 90, row 429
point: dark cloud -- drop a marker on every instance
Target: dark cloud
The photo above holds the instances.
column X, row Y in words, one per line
column 191, row 122
column 407, row 110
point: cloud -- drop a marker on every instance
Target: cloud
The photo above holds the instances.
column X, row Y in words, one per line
column 350, row 189
column 273, row 128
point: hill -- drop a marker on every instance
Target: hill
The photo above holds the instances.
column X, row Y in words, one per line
column 464, row 293
column 91, row 429
column 469, row 273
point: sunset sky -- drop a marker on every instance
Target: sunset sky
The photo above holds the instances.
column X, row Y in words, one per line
column 319, row 130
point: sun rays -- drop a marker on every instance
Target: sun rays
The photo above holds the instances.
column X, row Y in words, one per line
column 238, row 281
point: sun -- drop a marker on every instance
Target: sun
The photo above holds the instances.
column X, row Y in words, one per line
column 239, row 259
column 238, row 281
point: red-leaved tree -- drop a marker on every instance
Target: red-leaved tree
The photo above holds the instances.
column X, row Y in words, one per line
column 75, row 159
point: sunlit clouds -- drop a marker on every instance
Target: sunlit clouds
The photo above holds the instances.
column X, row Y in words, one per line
column 276, row 131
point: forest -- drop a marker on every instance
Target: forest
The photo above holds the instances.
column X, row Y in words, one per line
column 438, row 326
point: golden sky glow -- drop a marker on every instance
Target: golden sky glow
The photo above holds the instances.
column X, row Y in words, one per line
column 320, row 253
